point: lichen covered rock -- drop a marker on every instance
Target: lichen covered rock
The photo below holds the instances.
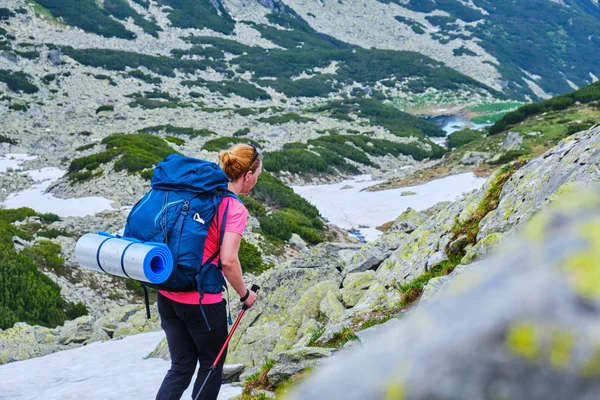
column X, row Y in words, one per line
column 522, row 324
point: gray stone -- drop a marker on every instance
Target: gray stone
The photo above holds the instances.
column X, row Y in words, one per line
column 574, row 162
column 328, row 255
column 290, row 362
column 54, row 56
column 408, row 221
column 232, row 372
column 78, row 330
column 331, row 306
column 354, row 286
column 371, row 255
column 512, row 141
column 474, row 157
column 160, row 351
column 298, row 243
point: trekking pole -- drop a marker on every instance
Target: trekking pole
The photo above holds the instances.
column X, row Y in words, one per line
column 237, row 321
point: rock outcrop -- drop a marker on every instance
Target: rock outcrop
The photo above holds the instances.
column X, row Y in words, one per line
column 522, row 325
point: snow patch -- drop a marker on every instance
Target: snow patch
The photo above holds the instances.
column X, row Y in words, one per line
column 111, row 370
column 355, row 210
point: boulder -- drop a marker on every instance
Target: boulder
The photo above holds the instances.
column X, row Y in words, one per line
column 408, row 221
column 474, row 157
column 160, row 351
column 371, row 255
column 290, row 362
column 354, row 286
column 512, row 141
column 327, row 255
column 276, row 319
column 23, row 341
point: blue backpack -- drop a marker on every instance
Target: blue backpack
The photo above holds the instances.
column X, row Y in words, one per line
column 178, row 211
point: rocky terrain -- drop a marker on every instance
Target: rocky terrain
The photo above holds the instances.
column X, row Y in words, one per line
column 334, row 295
column 319, row 302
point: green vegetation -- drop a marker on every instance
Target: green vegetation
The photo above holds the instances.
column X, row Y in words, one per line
column 416, row 26
column 178, row 130
column 26, row 294
column 30, row 54
column 151, row 104
column 460, row 138
column 556, row 45
column 5, row 13
column 463, row 51
column 132, row 152
column 87, row 15
column 54, row 233
column 259, row 379
column 121, row 10
column 317, row 86
column 293, row 214
column 338, row 340
column 18, row 81
column 584, row 95
column 241, row 132
column 103, row 77
column 223, row 143
column 226, row 45
column 251, row 258
column 86, row 147
column 366, row 66
column 136, row 73
column 238, row 87
column 18, row 107
column 328, row 153
column 48, row 78
column 6, row 139
column 175, row 140
column 105, row 108
column 463, row 234
column 117, row 60
column 199, row 14
column 397, row 122
column 285, row 118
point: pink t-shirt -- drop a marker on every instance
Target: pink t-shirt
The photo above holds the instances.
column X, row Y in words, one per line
column 237, row 215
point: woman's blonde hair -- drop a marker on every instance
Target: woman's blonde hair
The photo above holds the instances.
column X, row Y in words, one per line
column 239, row 159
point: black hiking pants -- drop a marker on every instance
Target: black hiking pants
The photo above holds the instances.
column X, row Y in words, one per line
column 190, row 341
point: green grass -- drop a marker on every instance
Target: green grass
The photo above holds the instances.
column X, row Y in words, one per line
column 259, row 380
column 339, row 339
column 178, row 130
column 494, row 107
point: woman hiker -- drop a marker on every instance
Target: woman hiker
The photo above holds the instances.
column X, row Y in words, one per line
column 188, row 335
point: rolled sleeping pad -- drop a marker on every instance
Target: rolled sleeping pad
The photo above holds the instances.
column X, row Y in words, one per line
column 125, row 257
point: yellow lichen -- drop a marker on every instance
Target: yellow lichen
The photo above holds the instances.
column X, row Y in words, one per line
column 584, row 268
column 395, row 391
column 523, row 340
column 561, row 345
